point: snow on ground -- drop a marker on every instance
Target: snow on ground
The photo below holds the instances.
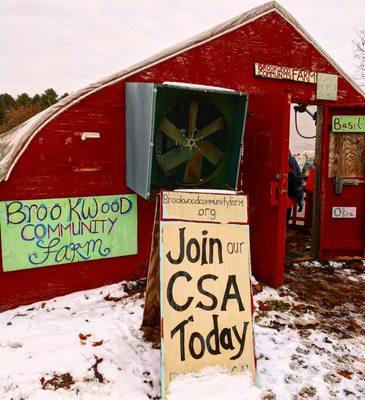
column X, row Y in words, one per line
column 57, row 343
column 294, row 367
column 214, row 383
column 87, row 345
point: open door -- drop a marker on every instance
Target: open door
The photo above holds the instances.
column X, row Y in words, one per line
column 265, row 173
column 342, row 201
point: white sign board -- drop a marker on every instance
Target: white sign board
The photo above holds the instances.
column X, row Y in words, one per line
column 327, row 86
column 206, row 308
column 343, row 212
column 204, row 207
column 288, row 73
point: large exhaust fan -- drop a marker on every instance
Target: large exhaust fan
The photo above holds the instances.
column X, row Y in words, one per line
column 183, row 136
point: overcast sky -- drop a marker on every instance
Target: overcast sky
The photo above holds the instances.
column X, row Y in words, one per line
column 67, row 44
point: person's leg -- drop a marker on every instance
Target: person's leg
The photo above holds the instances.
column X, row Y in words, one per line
column 288, row 214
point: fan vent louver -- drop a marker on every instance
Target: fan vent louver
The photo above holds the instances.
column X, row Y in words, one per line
column 182, row 137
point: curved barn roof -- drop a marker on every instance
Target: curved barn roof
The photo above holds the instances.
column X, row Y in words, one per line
column 14, row 142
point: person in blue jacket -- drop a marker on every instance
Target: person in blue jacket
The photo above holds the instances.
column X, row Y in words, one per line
column 295, row 185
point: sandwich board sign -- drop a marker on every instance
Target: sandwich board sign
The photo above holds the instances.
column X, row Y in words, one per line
column 205, row 297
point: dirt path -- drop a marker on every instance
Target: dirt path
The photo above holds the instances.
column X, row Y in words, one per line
column 320, row 310
column 335, row 292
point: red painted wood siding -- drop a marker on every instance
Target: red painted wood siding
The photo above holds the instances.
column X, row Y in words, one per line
column 58, row 164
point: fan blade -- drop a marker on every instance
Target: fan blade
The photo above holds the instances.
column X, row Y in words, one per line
column 173, row 158
column 172, row 132
column 193, row 168
column 193, row 112
column 211, row 128
column 210, row 152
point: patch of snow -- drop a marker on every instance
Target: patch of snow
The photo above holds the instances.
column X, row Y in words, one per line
column 44, row 339
column 196, row 86
column 311, row 264
column 214, row 383
column 336, row 264
column 296, row 365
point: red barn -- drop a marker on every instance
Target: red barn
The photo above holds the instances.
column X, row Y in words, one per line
column 263, row 52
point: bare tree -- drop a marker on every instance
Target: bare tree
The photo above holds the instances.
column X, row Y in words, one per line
column 359, row 52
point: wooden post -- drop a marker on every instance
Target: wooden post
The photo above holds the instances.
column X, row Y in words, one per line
column 151, row 315
column 316, row 213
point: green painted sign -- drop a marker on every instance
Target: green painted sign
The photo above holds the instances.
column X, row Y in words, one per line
column 348, row 123
column 39, row 233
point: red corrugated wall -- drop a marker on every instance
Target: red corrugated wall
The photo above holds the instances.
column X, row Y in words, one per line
column 58, row 164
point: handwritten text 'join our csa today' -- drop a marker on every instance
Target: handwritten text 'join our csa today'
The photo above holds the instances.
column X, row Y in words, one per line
column 208, row 250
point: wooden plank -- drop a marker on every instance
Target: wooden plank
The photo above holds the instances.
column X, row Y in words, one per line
column 151, row 314
column 287, row 73
column 347, row 155
column 317, row 195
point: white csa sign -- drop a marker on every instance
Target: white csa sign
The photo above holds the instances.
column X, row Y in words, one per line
column 343, row 212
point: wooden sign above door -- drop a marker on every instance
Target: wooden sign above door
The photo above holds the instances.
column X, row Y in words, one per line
column 288, row 73
column 326, row 83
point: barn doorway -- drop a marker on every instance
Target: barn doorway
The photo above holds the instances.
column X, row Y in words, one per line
column 300, row 227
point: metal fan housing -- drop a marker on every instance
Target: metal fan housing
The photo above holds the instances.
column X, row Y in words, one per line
column 183, row 136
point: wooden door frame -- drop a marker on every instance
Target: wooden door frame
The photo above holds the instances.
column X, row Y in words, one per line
column 317, row 195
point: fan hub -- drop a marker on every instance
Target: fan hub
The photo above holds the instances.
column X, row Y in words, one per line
column 191, row 142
